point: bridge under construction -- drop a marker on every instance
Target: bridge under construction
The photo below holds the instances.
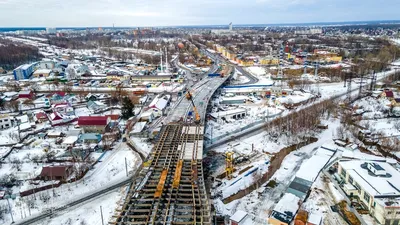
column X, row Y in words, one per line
column 170, row 188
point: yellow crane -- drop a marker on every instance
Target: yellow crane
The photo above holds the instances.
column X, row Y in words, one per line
column 229, row 164
column 189, row 97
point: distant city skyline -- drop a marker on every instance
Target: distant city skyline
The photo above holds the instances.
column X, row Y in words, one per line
column 105, row 13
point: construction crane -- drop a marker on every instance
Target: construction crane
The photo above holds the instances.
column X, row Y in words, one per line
column 229, row 164
column 189, row 97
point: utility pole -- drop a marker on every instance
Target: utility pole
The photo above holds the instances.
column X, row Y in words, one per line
column 126, row 167
column 101, row 214
column 9, row 207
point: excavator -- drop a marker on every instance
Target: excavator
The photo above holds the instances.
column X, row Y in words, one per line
column 189, row 97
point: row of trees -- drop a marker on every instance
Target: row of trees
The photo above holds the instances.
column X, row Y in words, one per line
column 12, row 55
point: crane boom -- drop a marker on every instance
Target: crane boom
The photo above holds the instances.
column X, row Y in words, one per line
column 189, row 96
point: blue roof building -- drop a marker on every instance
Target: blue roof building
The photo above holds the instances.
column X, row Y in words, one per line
column 24, row 71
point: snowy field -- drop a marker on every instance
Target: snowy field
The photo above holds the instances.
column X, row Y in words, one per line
column 89, row 213
column 110, row 170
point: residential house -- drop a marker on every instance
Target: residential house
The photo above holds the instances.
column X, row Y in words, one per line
column 26, row 94
column 138, row 130
column 61, row 172
column 90, row 138
column 96, row 106
column 41, row 73
column 41, row 117
column 285, row 210
column 94, row 124
column 238, row 218
column 387, row 94
column 63, row 108
column 6, row 121
column 69, row 141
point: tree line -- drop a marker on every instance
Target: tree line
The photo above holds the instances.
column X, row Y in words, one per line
column 13, row 55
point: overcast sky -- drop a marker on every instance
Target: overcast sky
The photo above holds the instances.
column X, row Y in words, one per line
column 95, row 13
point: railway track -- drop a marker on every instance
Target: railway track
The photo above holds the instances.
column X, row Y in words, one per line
column 170, row 189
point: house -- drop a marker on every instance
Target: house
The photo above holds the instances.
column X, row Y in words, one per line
column 6, row 121
column 61, row 172
column 88, row 138
column 57, row 119
column 96, row 105
column 160, row 103
column 94, row 124
column 41, row 117
column 91, row 97
column 238, row 218
column 285, row 210
column 69, row 141
column 63, row 108
column 9, row 96
column 376, row 184
column 41, row 73
column 45, row 65
column 138, row 130
column 54, row 134
column 147, row 116
column 387, row 94
column 26, row 94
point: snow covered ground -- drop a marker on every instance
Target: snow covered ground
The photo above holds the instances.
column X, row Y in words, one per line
column 110, row 170
column 89, row 213
column 261, row 204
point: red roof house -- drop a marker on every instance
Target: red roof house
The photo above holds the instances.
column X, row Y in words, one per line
column 26, row 94
column 56, row 172
column 388, row 94
column 41, row 116
column 94, row 124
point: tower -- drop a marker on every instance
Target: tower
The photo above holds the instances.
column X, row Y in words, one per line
column 230, row 26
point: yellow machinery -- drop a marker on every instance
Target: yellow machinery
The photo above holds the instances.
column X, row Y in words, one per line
column 161, row 183
column 189, row 97
column 229, row 164
column 177, row 176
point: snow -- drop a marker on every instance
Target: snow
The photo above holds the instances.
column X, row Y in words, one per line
column 310, row 169
column 110, row 170
column 256, row 70
column 288, row 203
column 336, row 194
column 70, row 140
column 314, row 218
column 373, row 185
column 238, row 216
column 89, row 212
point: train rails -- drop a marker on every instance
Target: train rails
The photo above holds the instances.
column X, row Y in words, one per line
column 170, row 188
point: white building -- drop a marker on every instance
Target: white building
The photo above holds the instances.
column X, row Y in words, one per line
column 6, row 121
column 238, row 113
column 376, row 184
column 51, row 30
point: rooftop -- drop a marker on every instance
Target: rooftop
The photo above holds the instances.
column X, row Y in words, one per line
column 93, row 120
column 238, row 216
column 374, row 185
column 286, row 208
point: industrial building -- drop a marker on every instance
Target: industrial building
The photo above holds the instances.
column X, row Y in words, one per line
column 51, row 30
column 24, row 71
column 238, row 113
column 376, row 185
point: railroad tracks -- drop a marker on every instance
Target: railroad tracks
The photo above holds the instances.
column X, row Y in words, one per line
column 170, row 189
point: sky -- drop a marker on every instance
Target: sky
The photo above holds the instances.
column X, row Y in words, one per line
column 103, row 13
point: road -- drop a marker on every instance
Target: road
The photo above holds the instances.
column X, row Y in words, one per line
column 217, row 59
